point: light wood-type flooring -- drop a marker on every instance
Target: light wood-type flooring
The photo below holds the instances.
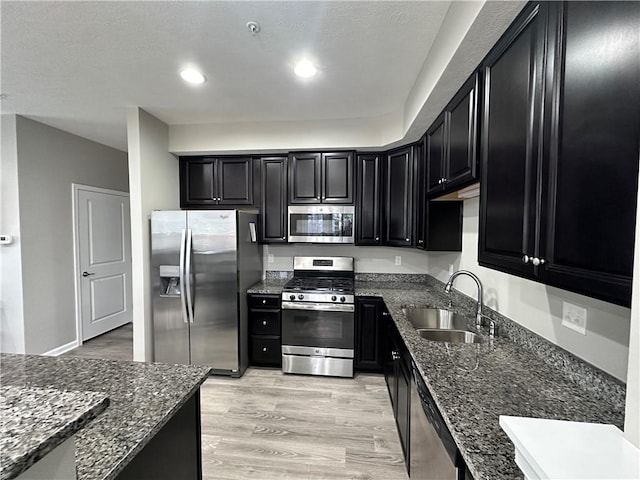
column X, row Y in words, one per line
column 268, row 425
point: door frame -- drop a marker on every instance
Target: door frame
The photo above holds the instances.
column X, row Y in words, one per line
column 75, row 190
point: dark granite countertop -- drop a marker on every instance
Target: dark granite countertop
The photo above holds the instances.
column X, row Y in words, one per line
column 516, row 374
column 142, row 396
column 35, row 421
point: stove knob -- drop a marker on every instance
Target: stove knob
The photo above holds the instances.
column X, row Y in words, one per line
column 334, row 298
column 342, row 299
column 300, row 297
column 292, row 297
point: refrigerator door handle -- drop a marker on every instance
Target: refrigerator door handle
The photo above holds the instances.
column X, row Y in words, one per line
column 188, row 286
column 183, row 295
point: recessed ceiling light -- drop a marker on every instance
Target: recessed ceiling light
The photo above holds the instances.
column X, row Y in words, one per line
column 192, row 75
column 305, row 69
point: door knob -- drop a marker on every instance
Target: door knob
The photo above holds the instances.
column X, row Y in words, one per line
column 86, row 274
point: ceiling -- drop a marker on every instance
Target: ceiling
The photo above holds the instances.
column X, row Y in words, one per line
column 78, row 66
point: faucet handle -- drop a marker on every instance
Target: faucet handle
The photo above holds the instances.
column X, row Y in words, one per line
column 493, row 329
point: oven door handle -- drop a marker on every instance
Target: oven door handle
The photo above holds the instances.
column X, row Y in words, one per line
column 321, row 307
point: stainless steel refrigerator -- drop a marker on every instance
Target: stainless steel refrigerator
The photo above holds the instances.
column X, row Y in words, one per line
column 202, row 264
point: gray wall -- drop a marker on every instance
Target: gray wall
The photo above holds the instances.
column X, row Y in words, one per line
column 11, row 316
column 49, row 161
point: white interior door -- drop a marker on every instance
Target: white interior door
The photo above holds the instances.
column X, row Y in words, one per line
column 103, row 235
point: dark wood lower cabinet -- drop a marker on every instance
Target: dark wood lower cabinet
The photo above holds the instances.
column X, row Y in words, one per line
column 174, row 452
column 265, row 343
column 397, row 371
column 369, row 348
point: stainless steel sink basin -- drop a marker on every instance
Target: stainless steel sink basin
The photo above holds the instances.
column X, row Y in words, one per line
column 435, row 318
column 452, row 336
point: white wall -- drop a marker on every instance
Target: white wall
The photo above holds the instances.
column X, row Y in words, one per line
column 539, row 307
column 366, row 259
column 276, row 136
column 49, row 162
column 632, row 416
column 154, row 185
column 11, row 312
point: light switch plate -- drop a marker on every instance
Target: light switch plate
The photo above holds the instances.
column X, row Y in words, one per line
column 574, row 317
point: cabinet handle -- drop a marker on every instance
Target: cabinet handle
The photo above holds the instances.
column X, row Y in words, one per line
column 526, row 259
column 264, row 322
column 385, row 314
column 264, row 349
column 420, row 242
column 395, row 355
column 440, row 182
column 264, row 301
column 408, row 239
column 444, row 180
column 537, row 261
column 377, row 238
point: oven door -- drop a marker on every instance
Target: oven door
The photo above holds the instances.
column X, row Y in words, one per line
column 325, row 326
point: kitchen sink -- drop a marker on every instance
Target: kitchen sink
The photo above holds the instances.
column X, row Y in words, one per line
column 435, row 318
column 452, row 336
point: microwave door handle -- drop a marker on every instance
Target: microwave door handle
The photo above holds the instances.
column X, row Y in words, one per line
column 183, row 285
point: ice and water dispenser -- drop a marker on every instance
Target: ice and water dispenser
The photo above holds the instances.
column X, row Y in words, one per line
column 170, row 281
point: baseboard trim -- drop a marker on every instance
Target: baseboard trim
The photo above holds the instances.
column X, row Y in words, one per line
column 62, row 349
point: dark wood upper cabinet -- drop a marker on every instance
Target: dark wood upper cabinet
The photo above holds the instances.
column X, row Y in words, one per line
column 590, row 171
column 305, row 177
column 510, row 135
column 273, row 200
column 398, row 197
column 435, row 145
column 452, row 142
column 338, row 177
column 368, row 191
column 207, row 182
column 559, row 188
column 321, row 178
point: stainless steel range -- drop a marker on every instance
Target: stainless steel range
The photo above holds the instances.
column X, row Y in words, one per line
column 318, row 320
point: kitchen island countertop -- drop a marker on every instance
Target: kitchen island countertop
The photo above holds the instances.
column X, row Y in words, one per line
column 473, row 384
column 142, row 398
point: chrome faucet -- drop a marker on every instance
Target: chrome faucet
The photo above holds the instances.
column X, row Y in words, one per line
column 449, row 284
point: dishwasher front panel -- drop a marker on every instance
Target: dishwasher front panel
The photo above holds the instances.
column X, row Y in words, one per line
column 429, row 460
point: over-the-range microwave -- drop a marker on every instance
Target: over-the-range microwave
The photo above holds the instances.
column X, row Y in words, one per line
column 321, row 223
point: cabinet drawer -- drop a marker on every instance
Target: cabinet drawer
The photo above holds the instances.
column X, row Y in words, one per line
column 266, row 351
column 265, row 323
column 264, row 301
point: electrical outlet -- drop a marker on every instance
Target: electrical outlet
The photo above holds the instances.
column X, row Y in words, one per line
column 574, row 317
column 398, row 260
column 270, row 258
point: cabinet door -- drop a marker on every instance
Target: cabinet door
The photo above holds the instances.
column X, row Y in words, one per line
column 235, row 181
column 337, row 177
column 461, row 161
column 444, row 226
column 304, row 178
column 368, row 203
column 404, row 407
column 510, row 136
column 420, row 193
column 398, row 198
column 436, row 140
column 273, row 201
column 369, row 353
column 592, row 169
column 197, row 186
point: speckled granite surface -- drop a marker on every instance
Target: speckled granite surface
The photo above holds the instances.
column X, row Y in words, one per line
column 143, row 397
column 516, row 374
column 35, row 421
